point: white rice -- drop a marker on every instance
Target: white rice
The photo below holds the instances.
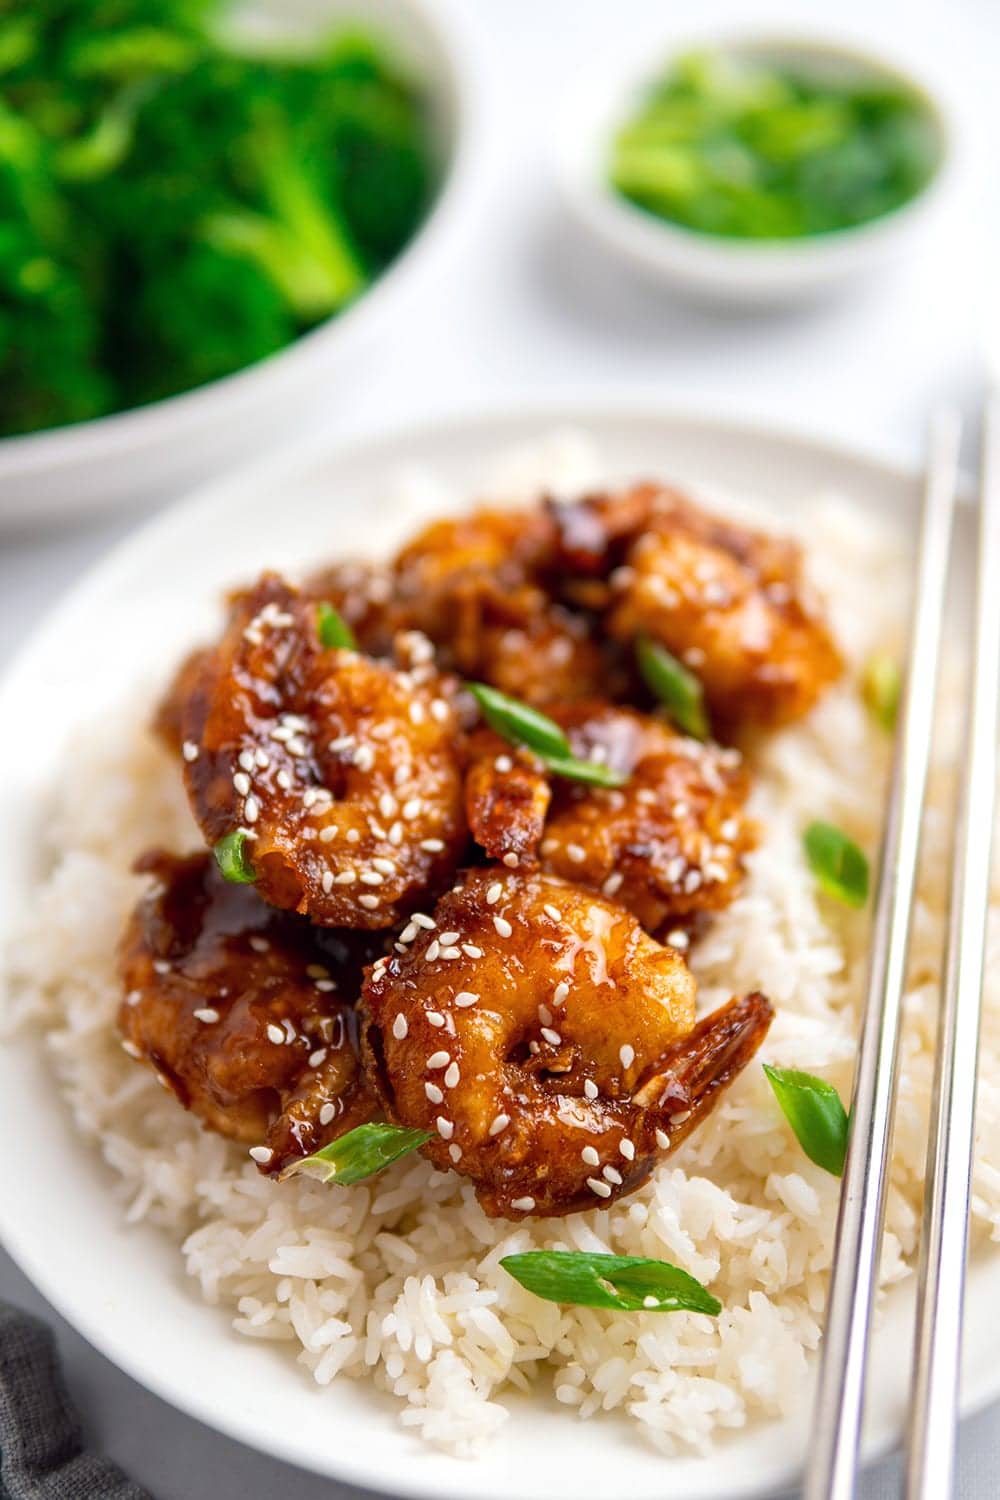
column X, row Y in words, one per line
column 398, row 1281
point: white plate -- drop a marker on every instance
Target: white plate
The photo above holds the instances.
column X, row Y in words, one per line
column 123, row 1288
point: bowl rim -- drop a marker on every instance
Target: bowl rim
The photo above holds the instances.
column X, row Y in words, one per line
column 655, row 239
column 112, row 436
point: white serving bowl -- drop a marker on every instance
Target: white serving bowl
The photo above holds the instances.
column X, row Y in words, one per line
column 162, row 448
column 731, row 271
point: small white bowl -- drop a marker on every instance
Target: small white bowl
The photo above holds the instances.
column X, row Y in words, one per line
column 711, row 268
column 164, row 447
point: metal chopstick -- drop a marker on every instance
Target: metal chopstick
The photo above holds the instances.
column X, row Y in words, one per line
column 940, row 1297
column 837, row 1422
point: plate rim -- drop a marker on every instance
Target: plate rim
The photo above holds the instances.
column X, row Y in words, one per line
column 496, row 423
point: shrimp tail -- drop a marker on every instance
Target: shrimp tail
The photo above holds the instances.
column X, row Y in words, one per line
column 687, row 1079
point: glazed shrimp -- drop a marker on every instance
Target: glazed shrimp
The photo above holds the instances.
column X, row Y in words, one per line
column 668, row 844
column 242, row 1012
column 547, row 1041
column 728, row 601
column 342, row 773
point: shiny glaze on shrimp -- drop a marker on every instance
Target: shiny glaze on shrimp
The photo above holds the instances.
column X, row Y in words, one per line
column 343, row 771
column 668, row 844
column 243, row 1011
column 547, row 1041
column 729, row 601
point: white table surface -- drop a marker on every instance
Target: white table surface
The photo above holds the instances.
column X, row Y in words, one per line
column 527, row 310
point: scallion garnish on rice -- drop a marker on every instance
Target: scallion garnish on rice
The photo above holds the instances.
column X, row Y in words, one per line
column 520, row 724
column 622, row 1283
column 359, row 1153
column 840, row 867
column 881, row 685
column 231, row 857
column 679, row 690
column 334, row 631
column 814, row 1110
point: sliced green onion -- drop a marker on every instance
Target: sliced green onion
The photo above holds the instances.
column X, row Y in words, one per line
column 839, row 866
column 334, row 631
column 679, row 690
column 814, row 1110
column 623, row 1283
column 881, row 685
column 360, row 1153
column 231, row 857
column 519, row 724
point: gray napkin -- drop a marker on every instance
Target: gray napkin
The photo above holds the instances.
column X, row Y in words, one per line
column 42, row 1456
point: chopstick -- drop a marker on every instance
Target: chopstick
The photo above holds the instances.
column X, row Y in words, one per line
column 944, row 1243
column 840, row 1395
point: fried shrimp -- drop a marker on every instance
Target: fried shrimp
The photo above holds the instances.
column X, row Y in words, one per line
column 728, row 601
column 343, row 774
column 547, row 1041
column 243, row 1011
column 667, row 844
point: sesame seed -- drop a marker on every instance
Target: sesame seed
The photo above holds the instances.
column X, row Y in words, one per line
column 471, row 950
column 422, row 920
column 401, row 774
column 328, row 834
column 364, row 757
column 433, row 1093
column 133, row 997
column 387, row 805
column 465, row 998
column 400, row 1027
column 545, row 1015
column 433, row 949
column 503, row 927
column 730, row 830
column 523, row 1205
column 434, row 1017
column 417, row 715
column 552, row 1037
column 130, row 1048
column 552, row 911
column 452, row 1076
column 590, row 1088
column 261, row 945
column 678, row 939
column 440, row 710
column 650, row 1301
column 206, row 1013
column 432, row 846
column 409, row 932
column 161, row 966
column 372, row 877
column 451, row 952
column 627, row 1149
column 353, row 836
column 446, row 1128
column 675, row 869
column 714, row 871
column 576, row 853
column 261, row 758
column 680, row 810
column 317, row 1058
column 283, row 779
column 662, row 1140
column 448, row 937
column 455, row 1151
column 368, row 902
column 600, row 1188
column 327, row 1112
column 251, row 809
column 396, row 834
column 680, row 1117
column 590, row 1156
column 500, row 1122
column 346, row 877
column 189, row 750
column 261, row 1154
column 494, row 893
column 511, row 860
column 560, row 992
column 275, row 1034
column 612, row 1174
column 326, row 881
column 692, row 881
column 439, row 1059
column 411, row 809
column 503, row 764
column 627, row 1054
column 613, row 884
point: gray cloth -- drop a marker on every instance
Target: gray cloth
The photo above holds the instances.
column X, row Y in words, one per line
column 42, row 1456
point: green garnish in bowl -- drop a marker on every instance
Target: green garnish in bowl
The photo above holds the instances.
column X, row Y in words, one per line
column 743, row 145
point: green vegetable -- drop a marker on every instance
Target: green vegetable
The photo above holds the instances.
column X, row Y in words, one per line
column 748, row 149
column 678, row 690
column 837, row 863
column 232, row 858
column 334, row 630
column 521, row 725
column 881, row 686
column 359, row 1153
column 624, row 1283
column 813, row 1109
column 176, row 204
